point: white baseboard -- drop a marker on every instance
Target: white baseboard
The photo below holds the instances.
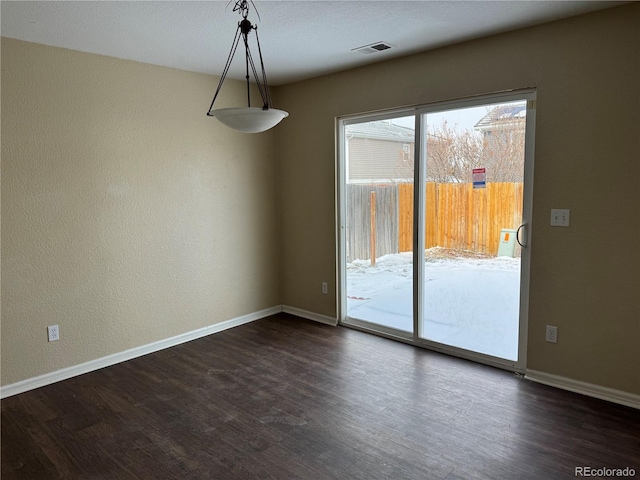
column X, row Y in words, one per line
column 73, row 371
column 589, row 389
column 316, row 317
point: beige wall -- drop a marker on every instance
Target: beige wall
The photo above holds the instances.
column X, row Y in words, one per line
column 585, row 279
column 128, row 215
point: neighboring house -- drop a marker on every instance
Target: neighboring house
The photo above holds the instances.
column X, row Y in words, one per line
column 379, row 152
column 383, row 152
column 503, row 140
column 502, row 119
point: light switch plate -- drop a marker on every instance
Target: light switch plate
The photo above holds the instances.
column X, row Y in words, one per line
column 560, row 217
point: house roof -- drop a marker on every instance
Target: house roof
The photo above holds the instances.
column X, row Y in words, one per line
column 503, row 115
column 382, row 130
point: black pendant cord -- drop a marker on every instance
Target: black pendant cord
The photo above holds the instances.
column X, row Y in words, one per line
column 266, row 96
column 243, row 30
column 234, row 47
column 264, row 92
column 246, row 62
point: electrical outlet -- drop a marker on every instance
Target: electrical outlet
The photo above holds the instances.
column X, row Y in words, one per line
column 325, row 288
column 552, row 334
column 53, row 332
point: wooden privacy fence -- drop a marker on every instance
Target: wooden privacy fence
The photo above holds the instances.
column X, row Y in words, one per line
column 359, row 215
column 457, row 216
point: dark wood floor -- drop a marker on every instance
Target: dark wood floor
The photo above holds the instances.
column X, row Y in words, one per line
column 285, row 398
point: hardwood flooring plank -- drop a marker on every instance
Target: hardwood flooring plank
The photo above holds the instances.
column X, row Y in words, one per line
column 286, row 398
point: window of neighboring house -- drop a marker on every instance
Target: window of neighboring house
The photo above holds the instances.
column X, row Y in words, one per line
column 406, row 152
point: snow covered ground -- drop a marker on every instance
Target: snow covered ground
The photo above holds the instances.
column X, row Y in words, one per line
column 471, row 303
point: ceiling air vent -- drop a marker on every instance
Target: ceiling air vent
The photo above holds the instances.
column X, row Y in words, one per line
column 373, row 48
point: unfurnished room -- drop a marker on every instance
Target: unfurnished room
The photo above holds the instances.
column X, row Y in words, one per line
column 320, row 239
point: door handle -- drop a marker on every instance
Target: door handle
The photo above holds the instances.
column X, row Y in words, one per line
column 522, row 227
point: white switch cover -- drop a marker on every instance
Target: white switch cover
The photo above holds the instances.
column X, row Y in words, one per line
column 560, row 217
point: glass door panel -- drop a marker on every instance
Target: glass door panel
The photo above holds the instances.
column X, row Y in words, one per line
column 378, row 195
column 473, row 209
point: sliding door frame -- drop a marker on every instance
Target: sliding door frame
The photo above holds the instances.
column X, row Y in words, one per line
column 528, row 95
column 341, row 215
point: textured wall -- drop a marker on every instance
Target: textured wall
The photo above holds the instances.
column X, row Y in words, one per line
column 585, row 279
column 128, row 215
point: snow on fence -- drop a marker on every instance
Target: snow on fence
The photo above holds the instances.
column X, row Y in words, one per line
column 457, row 216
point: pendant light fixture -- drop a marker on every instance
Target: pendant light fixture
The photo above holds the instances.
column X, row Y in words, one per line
column 247, row 119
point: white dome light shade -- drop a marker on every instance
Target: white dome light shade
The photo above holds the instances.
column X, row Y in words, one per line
column 249, row 119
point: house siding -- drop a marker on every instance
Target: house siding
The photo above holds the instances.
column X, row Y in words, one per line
column 375, row 160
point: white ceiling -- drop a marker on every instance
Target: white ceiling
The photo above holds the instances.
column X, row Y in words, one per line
column 299, row 39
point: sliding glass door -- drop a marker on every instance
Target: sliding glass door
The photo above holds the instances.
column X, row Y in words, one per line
column 378, row 188
column 473, row 209
column 434, row 208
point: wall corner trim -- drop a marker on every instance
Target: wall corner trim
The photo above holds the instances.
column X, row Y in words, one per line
column 80, row 369
column 597, row 391
column 316, row 317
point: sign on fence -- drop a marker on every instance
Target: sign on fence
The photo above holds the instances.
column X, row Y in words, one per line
column 479, row 177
